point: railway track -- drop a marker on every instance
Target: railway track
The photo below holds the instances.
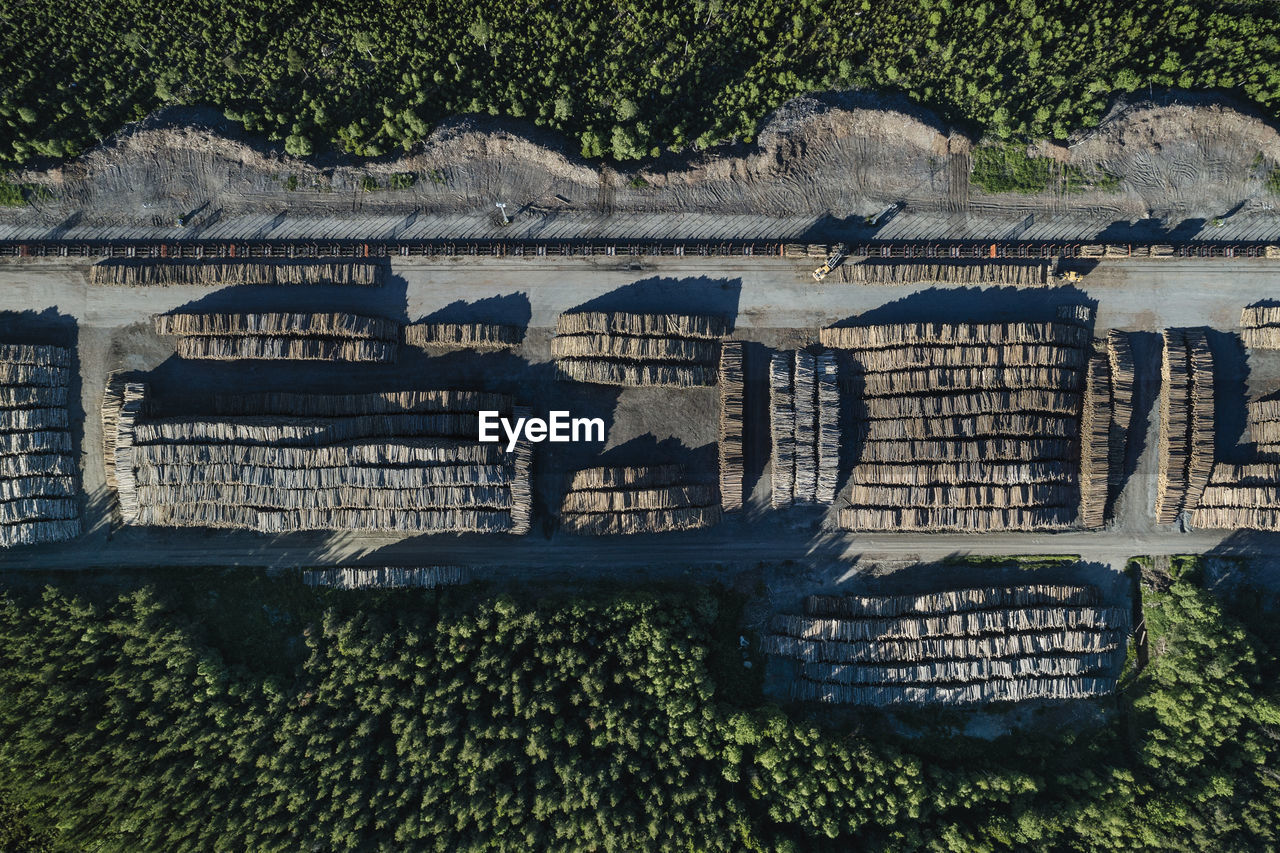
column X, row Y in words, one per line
column 613, row 248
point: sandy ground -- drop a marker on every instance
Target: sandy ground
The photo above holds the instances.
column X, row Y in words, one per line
column 818, row 167
column 773, row 303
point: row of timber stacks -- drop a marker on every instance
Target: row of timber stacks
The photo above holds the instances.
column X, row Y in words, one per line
column 479, row 336
column 1260, row 326
column 651, row 499
column 730, row 447
column 965, row 646
column 962, row 426
column 428, row 577
column 1186, row 450
column 804, row 412
column 1120, row 354
column 396, row 462
column 1095, row 439
column 615, row 348
column 38, row 494
column 310, row 337
column 168, row 273
column 1028, row 274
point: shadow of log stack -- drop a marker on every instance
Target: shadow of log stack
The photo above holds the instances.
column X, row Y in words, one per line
column 38, row 492
column 651, row 499
column 973, row 427
column 400, row 462
column 957, row 647
column 308, row 337
column 616, row 348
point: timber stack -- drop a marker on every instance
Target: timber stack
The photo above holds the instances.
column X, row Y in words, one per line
column 1186, row 450
column 732, row 420
column 1095, row 440
column 478, row 336
column 804, row 416
column 1030, row 274
column 629, row 500
column 957, row 647
column 38, row 492
column 617, row 348
column 162, row 273
column 428, row 577
column 1120, row 354
column 1260, row 326
column 964, row 426
column 306, row 337
column 395, row 462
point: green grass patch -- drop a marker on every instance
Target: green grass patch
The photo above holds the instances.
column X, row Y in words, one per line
column 1009, row 169
column 1273, row 181
column 16, row 195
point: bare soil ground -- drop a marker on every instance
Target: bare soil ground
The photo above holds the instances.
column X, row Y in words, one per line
column 832, row 160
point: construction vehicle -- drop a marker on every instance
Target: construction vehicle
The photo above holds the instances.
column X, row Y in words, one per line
column 1070, row 276
column 832, row 262
column 885, row 215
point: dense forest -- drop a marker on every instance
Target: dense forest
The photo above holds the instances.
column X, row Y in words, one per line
column 625, row 78
column 250, row 714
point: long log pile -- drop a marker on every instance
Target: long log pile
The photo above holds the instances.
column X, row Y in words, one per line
column 732, row 423
column 964, row 646
column 1186, row 448
column 653, row 499
column 966, row 426
column 1095, row 440
column 167, row 273
column 428, row 577
column 1030, row 274
column 1260, row 326
column 673, row 350
column 478, row 336
column 404, row 462
column 311, row 337
column 1120, row 354
column 38, row 500
column 804, row 416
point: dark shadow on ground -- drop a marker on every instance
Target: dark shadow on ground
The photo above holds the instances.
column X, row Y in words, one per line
column 387, row 300
column 975, row 305
column 1148, row 349
column 717, row 297
column 756, row 440
column 1230, row 390
column 510, row 309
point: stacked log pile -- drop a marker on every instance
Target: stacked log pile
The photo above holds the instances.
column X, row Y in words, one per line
column 1120, row 354
column 1260, row 326
column 38, row 500
column 403, row 462
column 479, row 336
column 732, row 422
column 965, row 426
column 311, row 337
column 672, row 350
column 957, row 647
column 629, row 500
column 1186, row 449
column 804, row 415
column 429, row 577
column 1032, row 274
column 1095, row 441
column 167, row 273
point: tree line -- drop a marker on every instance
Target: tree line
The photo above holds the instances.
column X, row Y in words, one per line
column 626, row 79
column 266, row 716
